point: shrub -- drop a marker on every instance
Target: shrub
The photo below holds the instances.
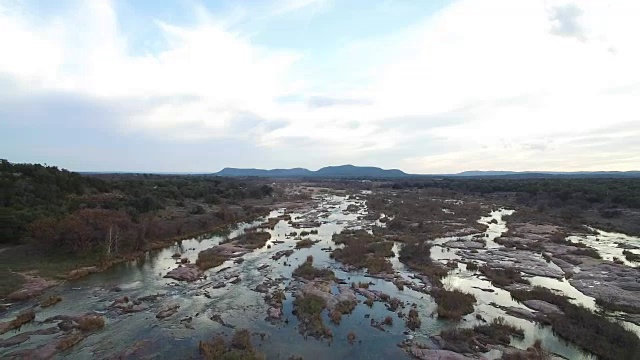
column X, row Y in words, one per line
column 503, row 277
column 307, row 271
column 308, row 309
column 413, row 320
column 240, row 347
column 253, row 239
column 305, row 243
column 91, row 323
column 241, row 340
column 51, row 300
column 209, row 258
column 363, row 250
column 633, row 257
column 453, row 304
column 351, row 337
column 335, row 316
column 20, row 320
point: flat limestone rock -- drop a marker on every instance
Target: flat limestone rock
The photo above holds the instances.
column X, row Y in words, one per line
column 33, row 286
column 464, row 244
column 610, row 282
column 522, row 260
column 167, row 311
column 542, row 306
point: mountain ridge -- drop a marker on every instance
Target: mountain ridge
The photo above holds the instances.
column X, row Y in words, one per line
column 352, row 171
column 328, row 171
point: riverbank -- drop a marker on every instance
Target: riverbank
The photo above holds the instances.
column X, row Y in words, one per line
column 20, row 263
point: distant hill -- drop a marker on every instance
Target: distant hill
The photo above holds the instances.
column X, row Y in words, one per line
column 484, row 173
column 548, row 174
column 358, row 172
column 343, row 171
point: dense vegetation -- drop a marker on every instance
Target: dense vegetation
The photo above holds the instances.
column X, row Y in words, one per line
column 58, row 209
column 550, row 192
column 605, row 203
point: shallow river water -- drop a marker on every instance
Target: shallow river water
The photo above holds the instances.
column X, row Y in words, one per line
column 140, row 335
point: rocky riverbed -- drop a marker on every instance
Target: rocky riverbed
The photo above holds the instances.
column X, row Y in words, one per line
column 165, row 304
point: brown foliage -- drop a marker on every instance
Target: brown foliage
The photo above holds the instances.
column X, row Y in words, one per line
column 91, row 323
column 453, row 304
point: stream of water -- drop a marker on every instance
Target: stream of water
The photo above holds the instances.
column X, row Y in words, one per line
column 239, row 306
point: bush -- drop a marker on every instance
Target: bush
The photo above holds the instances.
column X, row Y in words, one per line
column 252, row 239
column 503, row 276
column 363, row 250
column 308, row 309
column 209, row 258
column 413, row 320
column 51, row 300
column 21, row 319
column 91, row 323
column 239, row 348
column 305, row 243
column 630, row 256
column 307, row 271
column 453, row 304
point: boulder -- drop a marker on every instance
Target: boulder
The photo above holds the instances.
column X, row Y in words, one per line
column 167, row 311
column 187, row 272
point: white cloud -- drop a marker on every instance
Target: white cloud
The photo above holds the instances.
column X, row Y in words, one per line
column 530, row 75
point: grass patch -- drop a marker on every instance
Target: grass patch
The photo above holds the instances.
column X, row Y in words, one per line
column 453, row 304
column 309, row 309
column 306, row 270
column 240, row 347
column 209, row 258
column 467, row 340
column 417, row 256
column 252, row 239
column 502, row 276
column 363, row 250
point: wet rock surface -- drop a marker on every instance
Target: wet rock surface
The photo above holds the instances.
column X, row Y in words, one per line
column 187, row 272
column 32, row 287
column 168, row 310
column 609, row 282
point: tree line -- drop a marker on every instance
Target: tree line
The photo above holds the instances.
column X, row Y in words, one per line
column 555, row 193
column 110, row 213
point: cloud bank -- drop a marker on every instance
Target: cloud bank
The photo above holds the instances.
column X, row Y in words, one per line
column 493, row 84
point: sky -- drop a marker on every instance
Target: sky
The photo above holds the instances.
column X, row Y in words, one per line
column 423, row 86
